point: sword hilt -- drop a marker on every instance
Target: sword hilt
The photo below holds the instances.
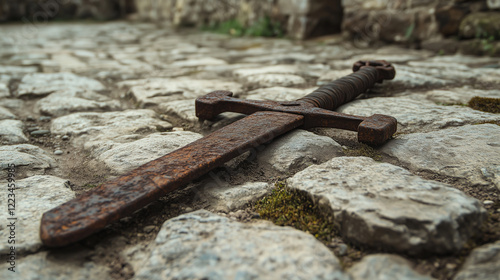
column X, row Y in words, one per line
column 336, row 93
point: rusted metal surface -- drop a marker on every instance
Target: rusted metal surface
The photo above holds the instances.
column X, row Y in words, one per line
column 92, row 211
column 120, row 197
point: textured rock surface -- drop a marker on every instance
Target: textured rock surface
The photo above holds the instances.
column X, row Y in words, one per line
column 48, row 266
column 25, row 155
column 34, row 196
column 382, row 205
column 6, row 114
column 299, row 149
column 45, row 83
column 11, row 132
column 418, row 116
column 384, row 266
column 483, row 263
column 69, row 101
column 470, row 152
column 100, row 131
column 226, row 197
column 202, row 245
column 127, row 156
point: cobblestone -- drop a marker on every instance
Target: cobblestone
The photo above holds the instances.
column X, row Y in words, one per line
column 116, row 95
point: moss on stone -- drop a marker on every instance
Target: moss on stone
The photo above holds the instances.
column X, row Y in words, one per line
column 287, row 207
column 490, row 105
column 363, row 150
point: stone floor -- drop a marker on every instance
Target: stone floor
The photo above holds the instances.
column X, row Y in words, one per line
column 83, row 102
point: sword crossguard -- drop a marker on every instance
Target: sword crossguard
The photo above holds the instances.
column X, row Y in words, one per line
column 317, row 106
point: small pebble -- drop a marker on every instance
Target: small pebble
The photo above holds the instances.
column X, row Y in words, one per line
column 177, row 129
column 58, row 152
column 488, row 202
column 65, row 138
column 188, row 209
column 44, row 119
column 149, row 229
column 40, row 132
column 31, row 129
column 342, row 250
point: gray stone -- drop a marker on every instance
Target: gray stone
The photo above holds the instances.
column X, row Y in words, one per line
column 46, row 83
column 182, row 108
column 6, row 114
column 34, row 196
column 275, row 69
column 417, row 116
column 225, row 197
column 55, row 266
column 459, row 95
column 278, row 93
column 202, row 245
column 380, row 205
column 269, row 80
column 410, row 77
column 74, row 100
column 11, row 132
column 199, row 62
column 17, row 71
column 384, row 266
column 98, row 132
column 298, row 149
column 493, row 4
column 4, row 90
column 471, row 152
column 159, row 90
column 127, row 156
column 39, row 132
column 58, row 152
column 26, row 156
column 483, row 263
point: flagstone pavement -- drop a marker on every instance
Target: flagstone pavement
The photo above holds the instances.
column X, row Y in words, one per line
column 81, row 103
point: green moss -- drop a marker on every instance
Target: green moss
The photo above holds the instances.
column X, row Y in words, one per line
column 363, row 150
column 491, row 105
column 287, row 207
column 88, row 186
column 264, row 27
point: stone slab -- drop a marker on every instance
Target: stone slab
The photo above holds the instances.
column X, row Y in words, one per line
column 11, row 132
column 380, row 205
column 45, row 83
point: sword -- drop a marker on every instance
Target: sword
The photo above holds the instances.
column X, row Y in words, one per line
column 120, row 197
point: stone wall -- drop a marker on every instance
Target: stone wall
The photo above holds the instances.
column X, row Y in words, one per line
column 300, row 18
column 45, row 10
column 470, row 26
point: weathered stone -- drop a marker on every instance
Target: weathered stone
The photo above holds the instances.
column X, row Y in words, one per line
column 299, row 149
column 278, row 93
column 199, row 62
column 125, row 157
column 409, row 77
column 384, row 266
column 481, row 25
column 182, row 108
column 45, row 83
column 30, row 159
column 204, row 245
column 74, row 100
column 34, row 196
column 269, row 80
column 449, row 17
column 17, row 71
column 6, row 114
column 275, row 69
column 157, row 90
column 11, row 132
column 4, row 90
column 225, row 197
column 482, row 264
column 459, row 95
column 98, row 132
column 384, row 206
column 55, row 265
column 493, row 4
column 470, row 152
column 417, row 116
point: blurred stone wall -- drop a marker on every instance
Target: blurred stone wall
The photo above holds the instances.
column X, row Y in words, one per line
column 469, row 26
column 45, row 10
column 300, row 18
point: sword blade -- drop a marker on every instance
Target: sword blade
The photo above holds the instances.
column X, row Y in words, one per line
column 118, row 198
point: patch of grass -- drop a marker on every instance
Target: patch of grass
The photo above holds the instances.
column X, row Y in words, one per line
column 363, row 150
column 287, row 207
column 264, row 27
column 490, row 105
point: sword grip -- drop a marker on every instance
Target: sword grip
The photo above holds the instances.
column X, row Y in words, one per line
column 345, row 89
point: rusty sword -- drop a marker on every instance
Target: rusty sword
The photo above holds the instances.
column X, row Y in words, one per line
column 120, row 197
